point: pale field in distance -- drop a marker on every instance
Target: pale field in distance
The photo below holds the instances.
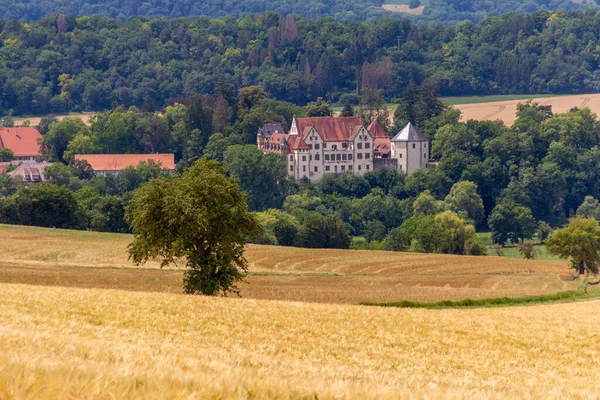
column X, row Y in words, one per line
column 90, row 343
column 34, row 121
column 56, row 257
column 403, row 8
column 506, row 110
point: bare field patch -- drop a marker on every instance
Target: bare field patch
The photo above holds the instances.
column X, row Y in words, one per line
column 506, row 110
column 34, row 121
column 403, row 8
column 92, row 343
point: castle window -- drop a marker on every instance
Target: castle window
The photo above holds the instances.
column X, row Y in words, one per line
column 324, row 145
column 317, row 146
column 327, row 168
column 326, row 157
column 425, row 145
column 304, row 168
column 338, row 157
column 317, row 157
column 414, row 146
column 367, row 167
column 303, row 158
column 316, row 169
column 359, row 156
column 291, row 168
column 334, row 146
column 400, row 155
column 367, row 145
column 349, row 156
column 335, row 168
column 359, row 167
column 359, row 146
column 424, row 155
column 344, row 157
column 367, row 156
column 310, row 145
column 291, row 158
column 349, row 167
column 343, row 167
column 344, row 145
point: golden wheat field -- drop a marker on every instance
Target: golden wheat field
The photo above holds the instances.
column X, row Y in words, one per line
column 506, row 110
column 61, row 342
column 40, row 256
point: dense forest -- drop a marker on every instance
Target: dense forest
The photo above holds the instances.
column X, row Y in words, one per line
column 445, row 11
column 87, row 63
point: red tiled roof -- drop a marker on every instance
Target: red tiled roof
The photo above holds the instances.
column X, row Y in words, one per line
column 296, row 142
column 377, row 131
column 22, row 140
column 331, row 129
column 117, row 162
column 382, row 146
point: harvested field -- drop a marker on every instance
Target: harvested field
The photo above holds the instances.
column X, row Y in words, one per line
column 34, row 121
column 403, row 8
column 99, row 260
column 506, row 110
column 91, row 343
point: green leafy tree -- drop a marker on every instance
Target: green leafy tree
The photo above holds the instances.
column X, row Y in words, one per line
column 6, row 155
column 544, row 230
column 260, row 175
column 464, row 200
column 42, row 204
column 323, row 232
column 579, row 242
column 347, row 111
column 456, row 233
column 60, row 134
column 588, row 208
column 318, row 109
column 200, row 218
column 510, row 221
column 375, row 231
column 426, row 204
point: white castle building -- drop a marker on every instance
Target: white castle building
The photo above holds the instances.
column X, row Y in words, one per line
column 332, row 145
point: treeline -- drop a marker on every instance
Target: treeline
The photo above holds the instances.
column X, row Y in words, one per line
column 446, row 11
column 72, row 63
column 455, row 11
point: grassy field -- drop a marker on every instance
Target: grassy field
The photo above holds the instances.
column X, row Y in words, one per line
column 95, row 260
column 80, row 321
column 93, row 343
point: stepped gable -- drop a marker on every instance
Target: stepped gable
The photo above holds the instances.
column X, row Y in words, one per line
column 331, row 129
column 409, row 133
column 23, row 141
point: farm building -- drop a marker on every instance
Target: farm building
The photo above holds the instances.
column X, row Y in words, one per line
column 332, row 145
column 111, row 164
column 23, row 141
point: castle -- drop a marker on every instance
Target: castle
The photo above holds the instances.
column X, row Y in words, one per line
column 331, row 145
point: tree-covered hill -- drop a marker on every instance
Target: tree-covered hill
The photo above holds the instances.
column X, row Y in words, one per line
column 87, row 63
column 447, row 11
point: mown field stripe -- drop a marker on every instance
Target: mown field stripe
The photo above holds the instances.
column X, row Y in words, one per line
column 573, row 295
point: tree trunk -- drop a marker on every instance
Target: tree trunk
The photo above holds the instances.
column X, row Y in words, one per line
column 580, row 268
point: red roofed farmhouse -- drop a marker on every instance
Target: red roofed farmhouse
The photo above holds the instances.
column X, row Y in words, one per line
column 111, row 164
column 23, row 141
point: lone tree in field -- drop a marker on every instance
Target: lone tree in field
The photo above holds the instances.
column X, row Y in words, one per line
column 200, row 218
column 580, row 242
